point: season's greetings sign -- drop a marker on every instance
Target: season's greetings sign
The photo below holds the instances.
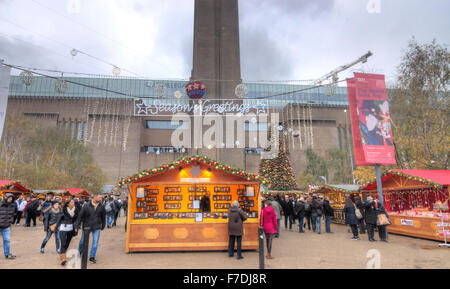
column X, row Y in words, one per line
column 370, row 119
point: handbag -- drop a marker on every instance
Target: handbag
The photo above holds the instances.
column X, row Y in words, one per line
column 358, row 214
column 383, row 220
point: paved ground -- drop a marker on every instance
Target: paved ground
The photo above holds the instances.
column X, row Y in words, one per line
column 291, row 251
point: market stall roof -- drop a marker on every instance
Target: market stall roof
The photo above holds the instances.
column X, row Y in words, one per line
column 196, row 159
column 49, row 191
column 288, row 192
column 74, row 192
column 344, row 188
column 435, row 178
column 6, row 184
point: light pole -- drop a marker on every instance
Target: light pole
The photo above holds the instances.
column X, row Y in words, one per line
column 349, row 145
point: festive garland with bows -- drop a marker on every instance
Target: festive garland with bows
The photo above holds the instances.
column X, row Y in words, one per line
column 407, row 176
column 194, row 160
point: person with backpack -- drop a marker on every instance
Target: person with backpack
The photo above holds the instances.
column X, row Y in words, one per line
column 53, row 216
column 350, row 217
column 117, row 206
column 316, row 213
column 329, row 213
column 236, row 217
column 65, row 227
column 300, row 213
column 110, row 210
column 7, row 210
column 308, row 213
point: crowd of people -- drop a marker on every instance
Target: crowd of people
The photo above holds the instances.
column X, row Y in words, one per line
column 61, row 219
column 309, row 212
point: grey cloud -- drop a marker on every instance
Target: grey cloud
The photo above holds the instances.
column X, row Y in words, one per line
column 262, row 57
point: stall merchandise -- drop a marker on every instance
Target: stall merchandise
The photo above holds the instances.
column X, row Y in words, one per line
column 337, row 195
column 13, row 187
column 164, row 208
column 410, row 197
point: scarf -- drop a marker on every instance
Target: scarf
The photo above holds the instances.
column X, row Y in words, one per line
column 71, row 212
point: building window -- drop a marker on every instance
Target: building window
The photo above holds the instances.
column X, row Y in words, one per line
column 160, row 150
column 164, row 124
column 253, row 151
column 256, row 126
column 76, row 129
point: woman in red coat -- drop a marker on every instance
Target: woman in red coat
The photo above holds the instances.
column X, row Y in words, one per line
column 268, row 221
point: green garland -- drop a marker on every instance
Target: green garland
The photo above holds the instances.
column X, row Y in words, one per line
column 188, row 160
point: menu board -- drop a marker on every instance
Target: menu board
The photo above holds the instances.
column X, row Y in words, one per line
column 176, row 202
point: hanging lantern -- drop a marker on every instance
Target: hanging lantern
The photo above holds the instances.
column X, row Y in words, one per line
column 195, row 89
column 296, row 133
column 26, row 77
column 60, row 86
column 116, row 71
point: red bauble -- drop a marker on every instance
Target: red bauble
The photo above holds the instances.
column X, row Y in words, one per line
column 195, row 89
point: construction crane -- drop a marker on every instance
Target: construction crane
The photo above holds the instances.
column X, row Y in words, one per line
column 333, row 75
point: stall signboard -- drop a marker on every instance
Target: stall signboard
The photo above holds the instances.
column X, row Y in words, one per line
column 370, row 120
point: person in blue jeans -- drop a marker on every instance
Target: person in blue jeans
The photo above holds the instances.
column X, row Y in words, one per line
column 316, row 213
column 92, row 218
column 300, row 213
column 329, row 213
column 110, row 209
column 7, row 211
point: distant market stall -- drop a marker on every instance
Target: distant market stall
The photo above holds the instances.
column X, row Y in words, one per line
column 164, row 209
column 410, row 197
column 337, row 195
column 13, row 187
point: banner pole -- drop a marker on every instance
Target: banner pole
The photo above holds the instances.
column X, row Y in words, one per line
column 380, row 190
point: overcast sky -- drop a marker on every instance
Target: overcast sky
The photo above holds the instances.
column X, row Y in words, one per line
column 280, row 40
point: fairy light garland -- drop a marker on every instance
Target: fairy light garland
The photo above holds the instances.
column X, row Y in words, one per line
column 196, row 159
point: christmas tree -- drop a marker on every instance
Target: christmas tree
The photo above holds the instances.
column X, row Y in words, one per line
column 278, row 170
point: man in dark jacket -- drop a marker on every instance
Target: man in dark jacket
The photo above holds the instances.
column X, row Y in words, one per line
column 32, row 209
column 288, row 209
column 236, row 217
column 300, row 213
column 93, row 219
column 329, row 213
column 7, row 211
column 372, row 209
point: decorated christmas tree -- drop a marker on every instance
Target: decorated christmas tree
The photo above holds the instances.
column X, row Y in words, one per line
column 278, row 169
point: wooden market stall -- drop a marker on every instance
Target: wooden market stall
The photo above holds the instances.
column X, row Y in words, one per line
column 78, row 193
column 337, row 195
column 163, row 206
column 409, row 197
column 13, row 187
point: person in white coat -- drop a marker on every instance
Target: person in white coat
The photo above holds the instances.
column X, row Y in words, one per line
column 20, row 205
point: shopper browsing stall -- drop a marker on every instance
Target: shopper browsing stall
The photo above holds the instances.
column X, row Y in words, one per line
column 236, row 217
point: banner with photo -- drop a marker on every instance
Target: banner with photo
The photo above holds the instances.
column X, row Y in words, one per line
column 370, row 119
column 5, row 73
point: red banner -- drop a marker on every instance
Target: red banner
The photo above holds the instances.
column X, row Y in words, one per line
column 370, row 119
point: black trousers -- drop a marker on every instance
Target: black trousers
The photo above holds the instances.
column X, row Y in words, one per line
column 362, row 227
column 308, row 220
column 291, row 221
column 370, row 231
column 66, row 238
column 115, row 218
column 231, row 245
column 17, row 217
column 354, row 230
column 382, row 232
column 31, row 216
